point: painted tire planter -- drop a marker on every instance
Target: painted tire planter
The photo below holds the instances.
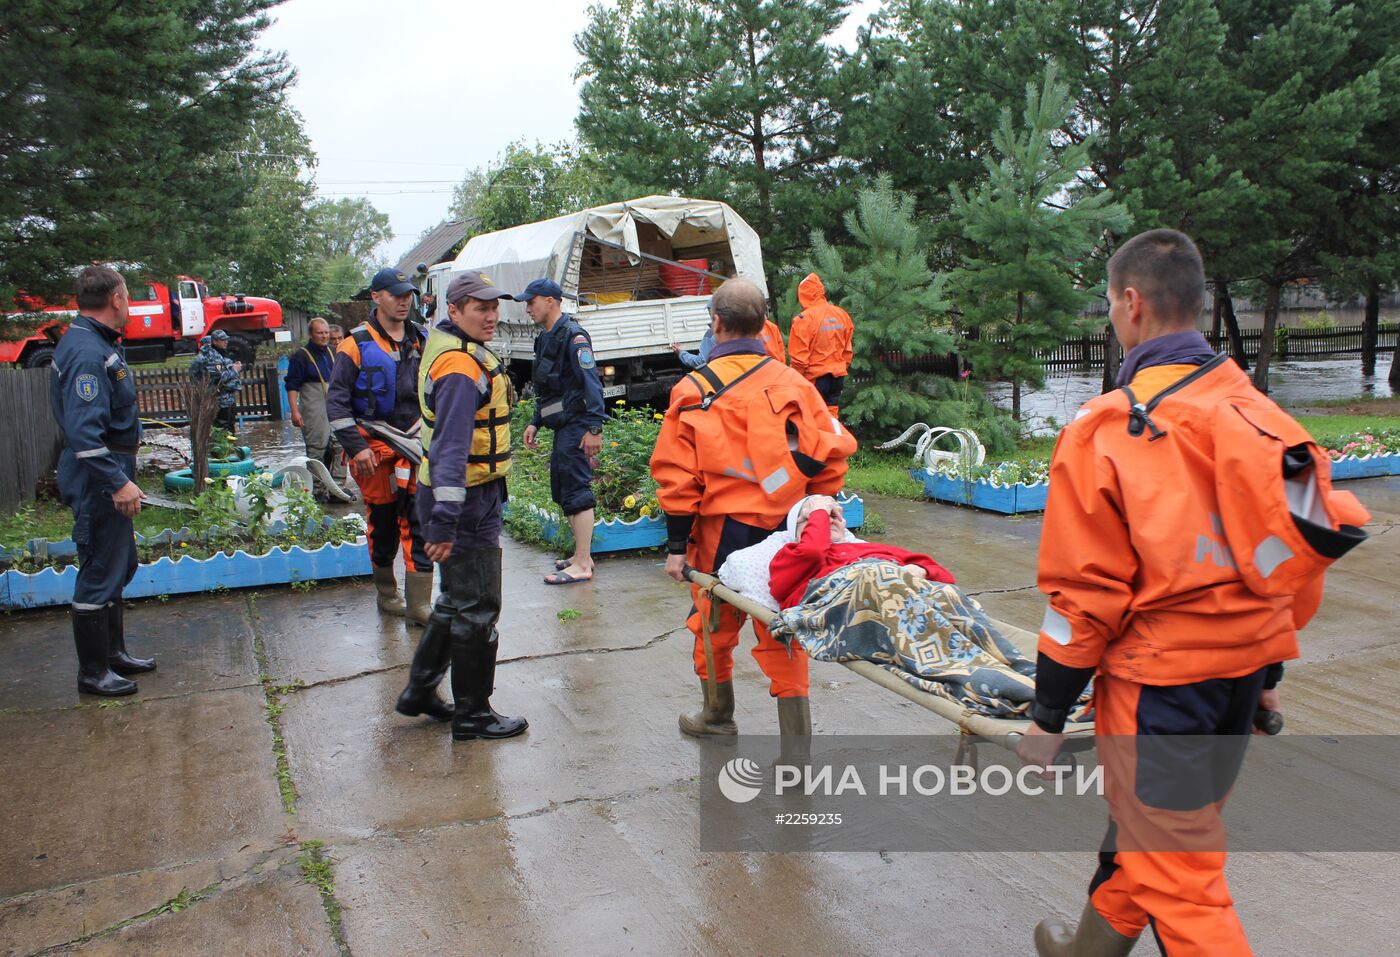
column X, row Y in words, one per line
column 189, row 575
column 617, row 535
column 1006, row 499
column 1370, row 466
column 243, row 464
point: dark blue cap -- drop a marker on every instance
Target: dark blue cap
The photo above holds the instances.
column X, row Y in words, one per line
column 218, row 334
column 391, row 280
column 541, row 287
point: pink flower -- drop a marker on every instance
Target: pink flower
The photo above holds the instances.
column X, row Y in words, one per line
column 966, row 373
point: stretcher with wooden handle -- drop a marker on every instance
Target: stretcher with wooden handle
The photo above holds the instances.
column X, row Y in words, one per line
column 1079, row 736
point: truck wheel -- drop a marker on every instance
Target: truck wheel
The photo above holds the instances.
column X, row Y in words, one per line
column 39, row 358
column 243, row 349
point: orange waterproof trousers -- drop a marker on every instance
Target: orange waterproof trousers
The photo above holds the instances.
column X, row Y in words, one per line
column 388, row 492
column 1181, row 892
column 711, row 541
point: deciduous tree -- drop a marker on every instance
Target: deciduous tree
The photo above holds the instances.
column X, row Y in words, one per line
column 736, row 100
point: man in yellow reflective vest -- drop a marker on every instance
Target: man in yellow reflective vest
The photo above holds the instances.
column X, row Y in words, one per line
column 466, row 398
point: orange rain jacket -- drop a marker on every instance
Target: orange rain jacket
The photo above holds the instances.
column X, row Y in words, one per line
column 773, row 340
column 763, row 445
column 820, row 341
column 1134, row 557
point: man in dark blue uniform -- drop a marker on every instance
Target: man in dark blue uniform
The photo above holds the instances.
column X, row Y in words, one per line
column 93, row 398
column 215, row 364
column 569, row 400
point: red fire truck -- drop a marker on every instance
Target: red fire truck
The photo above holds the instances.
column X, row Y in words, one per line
column 163, row 322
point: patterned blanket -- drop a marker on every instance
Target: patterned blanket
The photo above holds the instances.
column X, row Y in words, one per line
column 928, row 633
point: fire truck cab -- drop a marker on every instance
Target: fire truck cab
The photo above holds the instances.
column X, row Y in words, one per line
column 162, row 322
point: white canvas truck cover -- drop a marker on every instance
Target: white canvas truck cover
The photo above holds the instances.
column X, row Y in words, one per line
column 511, row 258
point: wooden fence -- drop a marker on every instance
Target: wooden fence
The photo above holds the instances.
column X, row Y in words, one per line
column 29, row 437
column 1087, row 352
column 160, row 393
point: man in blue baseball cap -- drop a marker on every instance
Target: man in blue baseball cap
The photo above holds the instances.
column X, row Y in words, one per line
column 569, row 400
column 374, row 387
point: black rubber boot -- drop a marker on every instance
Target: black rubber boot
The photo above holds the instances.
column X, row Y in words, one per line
column 471, row 585
column 95, row 675
column 426, row 673
column 121, row 662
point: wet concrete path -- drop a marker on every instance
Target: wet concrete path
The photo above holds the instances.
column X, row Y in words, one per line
column 259, row 797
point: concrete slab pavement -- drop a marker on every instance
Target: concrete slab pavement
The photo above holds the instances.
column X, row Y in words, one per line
column 160, row 828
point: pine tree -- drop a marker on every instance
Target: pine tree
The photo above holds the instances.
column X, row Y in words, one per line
column 1021, row 293
column 120, row 126
column 897, row 305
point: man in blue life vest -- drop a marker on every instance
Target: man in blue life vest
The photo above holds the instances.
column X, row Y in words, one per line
column 308, row 379
column 93, row 398
column 375, row 381
column 569, row 400
column 466, row 399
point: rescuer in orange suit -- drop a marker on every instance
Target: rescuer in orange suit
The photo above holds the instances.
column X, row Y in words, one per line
column 745, row 438
column 819, row 344
column 1178, row 599
column 773, row 341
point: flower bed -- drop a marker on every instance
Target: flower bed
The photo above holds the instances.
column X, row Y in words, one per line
column 615, row 535
column 627, row 515
column 1013, row 487
column 1365, row 454
column 991, row 495
column 278, row 566
column 219, row 553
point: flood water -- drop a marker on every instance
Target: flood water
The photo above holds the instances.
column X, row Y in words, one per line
column 1291, row 384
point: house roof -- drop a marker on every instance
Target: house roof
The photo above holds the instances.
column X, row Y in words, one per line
column 434, row 247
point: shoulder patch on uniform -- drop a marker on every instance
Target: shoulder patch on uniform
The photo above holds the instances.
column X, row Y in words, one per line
column 87, row 386
column 585, row 358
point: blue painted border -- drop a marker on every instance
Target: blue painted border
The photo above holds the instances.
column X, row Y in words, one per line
column 1370, row 466
column 1017, row 499
column 616, row 535
column 1006, row 499
column 189, row 575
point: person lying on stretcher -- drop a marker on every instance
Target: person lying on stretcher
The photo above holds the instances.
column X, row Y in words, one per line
column 839, row 598
column 824, row 544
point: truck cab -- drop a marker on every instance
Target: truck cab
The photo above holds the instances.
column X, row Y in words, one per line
column 162, row 322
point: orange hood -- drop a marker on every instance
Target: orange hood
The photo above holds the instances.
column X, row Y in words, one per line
column 811, row 292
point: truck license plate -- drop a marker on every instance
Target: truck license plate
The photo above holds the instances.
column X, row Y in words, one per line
column 613, row 391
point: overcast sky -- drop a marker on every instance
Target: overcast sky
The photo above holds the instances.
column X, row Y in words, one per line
column 458, row 79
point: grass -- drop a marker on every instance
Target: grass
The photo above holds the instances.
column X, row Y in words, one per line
column 273, row 705
column 569, row 614
column 1324, row 426
column 51, row 519
column 317, row 871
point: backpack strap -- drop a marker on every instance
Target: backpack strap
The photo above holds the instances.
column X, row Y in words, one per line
column 717, row 386
column 1140, row 414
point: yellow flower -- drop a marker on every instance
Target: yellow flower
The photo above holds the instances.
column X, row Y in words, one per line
column 658, row 416
column 621, row 402
column 612, row 445
column 629, row 502
column 646, row 510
